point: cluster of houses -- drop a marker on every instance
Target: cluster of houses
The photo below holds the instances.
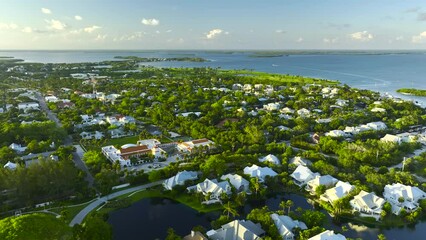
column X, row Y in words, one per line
column 351, row 131
column 369, row 204
column 119, row 121
column 152, row 147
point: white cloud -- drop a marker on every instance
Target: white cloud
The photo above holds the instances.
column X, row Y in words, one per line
column 130, row 37
column 279, row 31
column 56, row 24
column 91, row 29
column 213, row 33
column 330, row 40
column 421, row 38
column 299, row 40
column 101, row 37
column 46, row 11
column 399, row 38
column 8, row 26
column 169, row 31
column 363, row 36
column 27, row 30
column 150, row 21
column 78, row 17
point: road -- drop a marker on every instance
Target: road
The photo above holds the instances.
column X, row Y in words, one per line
column 78, row 155
column 78, row 219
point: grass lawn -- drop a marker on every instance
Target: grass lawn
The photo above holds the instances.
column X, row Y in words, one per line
column 34, row 226
column 71, row 211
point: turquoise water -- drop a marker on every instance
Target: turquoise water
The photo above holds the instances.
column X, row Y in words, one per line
column 378, row 72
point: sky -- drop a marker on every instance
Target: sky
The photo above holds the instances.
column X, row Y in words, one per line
column 208, row 24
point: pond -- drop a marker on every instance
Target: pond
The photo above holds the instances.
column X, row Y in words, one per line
column 150, row 219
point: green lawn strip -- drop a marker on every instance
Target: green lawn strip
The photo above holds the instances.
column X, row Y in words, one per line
column 34, row 226
column 71, row 212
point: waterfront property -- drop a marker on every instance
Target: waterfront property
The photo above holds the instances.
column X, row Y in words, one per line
column 328, row 235
column 237, row 181
column 302, row 175
column 326, row 180
column 237, row 230
column 212, row 187
column 259, row 172
column 367, row 203
column 286, row 225
column 179, row 179
column 339, row 191
column 402, row 196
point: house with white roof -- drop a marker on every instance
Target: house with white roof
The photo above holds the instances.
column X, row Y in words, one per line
column 213, row 187
column 302, row 175
column 259, row 172
column 336, row 133
column 287, row 110
column 10, row 165
column 271, row 159
column 341, row 190
column 237, row 181
column 303, row 112
column 113, row 154
column 272, row 106
column 377, row 109
column 403, row 196
column 326, row 180
column 17, row 147
column 51, row 98
column 367, row 203
column 92, row 135
column 237, row 230
column 189, row 146
column 28, row 106
column 328, row 235
column 300, row 161
column 179, row 179
column 391, row 138
column 149, row 142
column 286, row 224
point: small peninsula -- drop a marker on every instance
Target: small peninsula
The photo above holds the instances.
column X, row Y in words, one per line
column 412, row 91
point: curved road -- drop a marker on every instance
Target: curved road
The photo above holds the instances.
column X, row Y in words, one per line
column 78, row 219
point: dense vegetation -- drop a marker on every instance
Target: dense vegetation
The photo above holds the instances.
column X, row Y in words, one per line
column 413, row 91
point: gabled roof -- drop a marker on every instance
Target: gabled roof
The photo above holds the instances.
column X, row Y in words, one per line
column 10, row 165
column 303, row 174
column 179, row 179
column 328, row 235
column 339, row 191
column 259, row 172
column 237, row 230
column 270, row 158
column 325, row 180
column 368, row 200
column 401, row 190
column 237, row 181
column 286, row 224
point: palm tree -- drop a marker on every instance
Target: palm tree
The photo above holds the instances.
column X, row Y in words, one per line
column 283, row 205
column 229, row 210
column 255, row 184
column 289, row 204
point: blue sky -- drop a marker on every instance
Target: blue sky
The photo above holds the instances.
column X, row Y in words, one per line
column 208, row 24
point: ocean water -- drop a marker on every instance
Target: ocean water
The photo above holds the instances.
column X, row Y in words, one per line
column 384, row 73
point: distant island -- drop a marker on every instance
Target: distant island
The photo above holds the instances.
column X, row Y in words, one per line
column 412, row 91
column 4, row 59
column 175, row 59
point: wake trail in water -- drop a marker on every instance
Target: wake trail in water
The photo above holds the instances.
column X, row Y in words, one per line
column 381, row 82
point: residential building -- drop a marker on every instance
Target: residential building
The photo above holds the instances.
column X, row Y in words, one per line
column 286, row 225
column 237, row 230
column 341, row 190
column 391, row 138
column 18, row 148
column 271, row 159
column 302, row 175
column 195, row 235
column 367, row 203
column 237, row 181
column 300, row 161
column 28, row 106
column 328, row 235
column 259, row 172
column 403, row 196
column 336, row 133
column 10, row 165
column 188, row 147
column 212, row 187
column 179, row 179
column 326, row 180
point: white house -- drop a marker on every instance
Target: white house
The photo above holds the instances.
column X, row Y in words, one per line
column 302, row 175
column 339, row 191
column 179, row 179
column 377, row 109
column 92, row 135
column 391, row 138
column 328, row 235
column 336, row 133
column 237, row 230
column 149, row 142
column 272, row 106
column 300, row 161
column 259, row 172
column 402, row 196
column 303, row 112
column 28, row 106
column 237, row 181
column 286, row 224
column 270, row 158
column 114, row 155
column 10, row 165
column 215, row 188
column 188, row 147
column 326, row 180
column 51, row 98
column 17, row 147
column 367, row 203
column 287, row 110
